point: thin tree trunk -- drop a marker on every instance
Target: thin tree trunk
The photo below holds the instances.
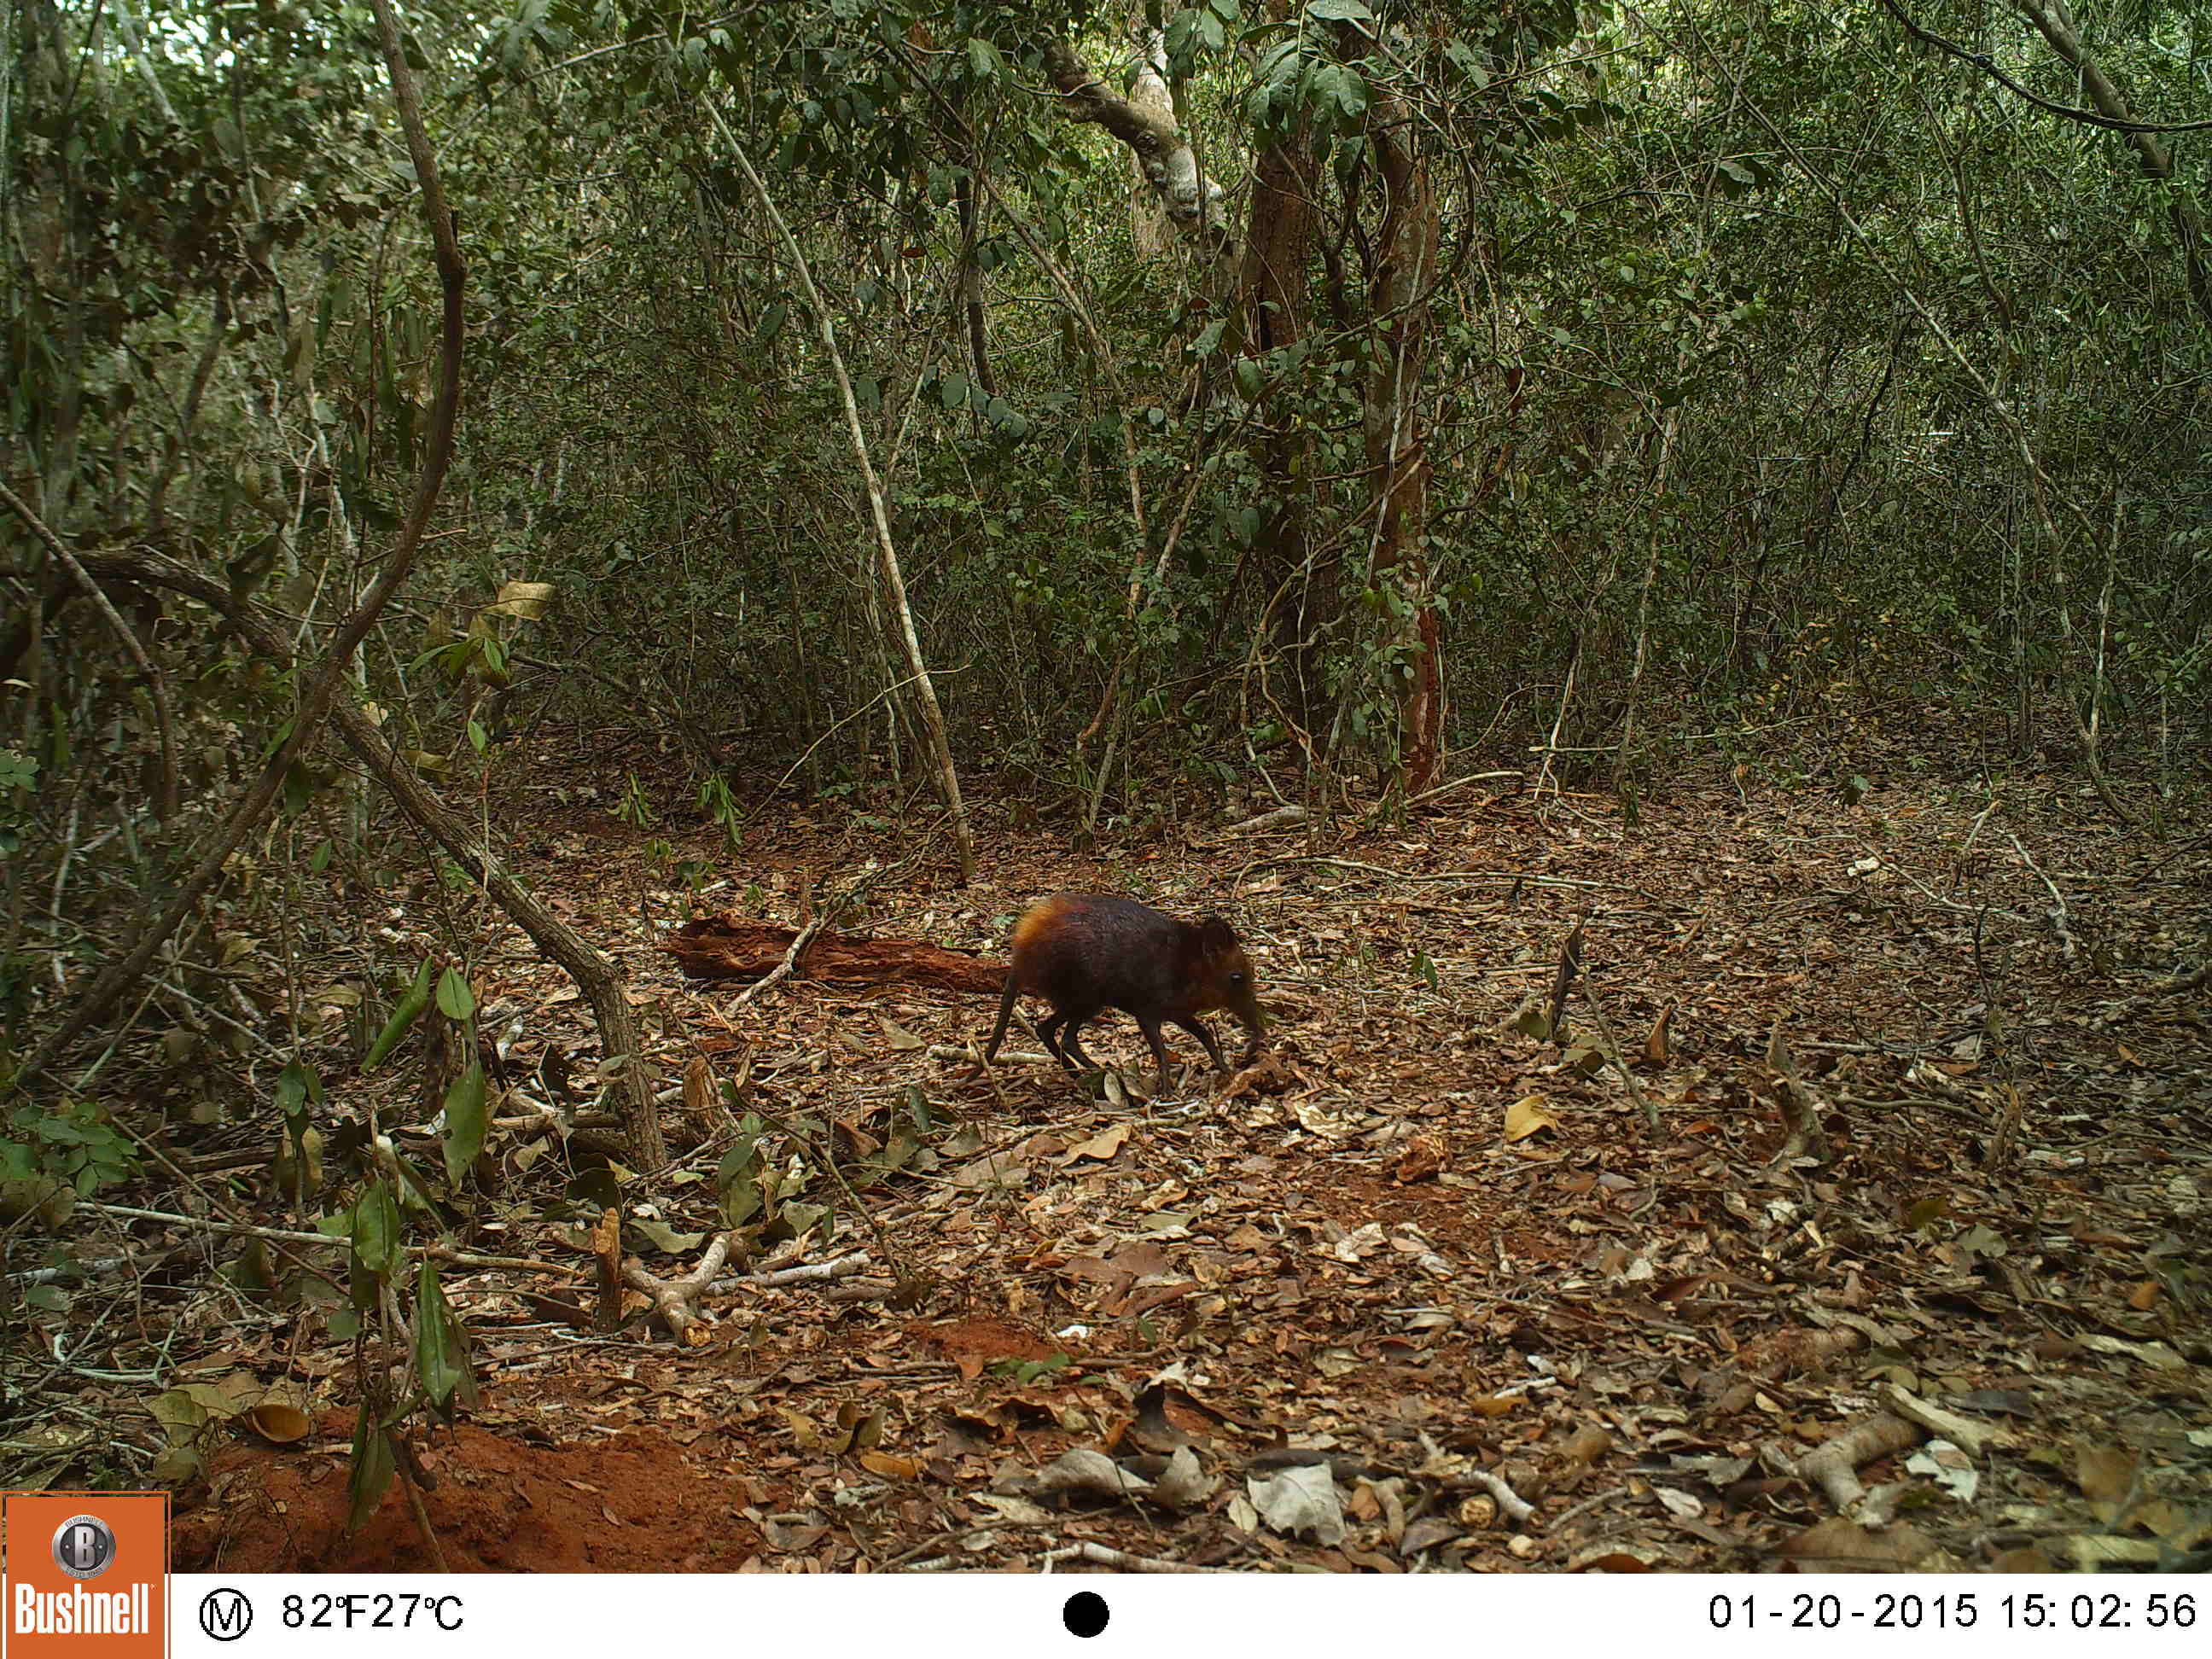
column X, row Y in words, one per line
column 971, row 290
column 1396, row 459
column 1279, row 243
column 1624, row 758
column 930, row 714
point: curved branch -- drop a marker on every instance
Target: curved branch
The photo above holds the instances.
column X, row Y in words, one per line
column 1170, row 164
column 2050, row 21
column 329, row 673
column 1984, row 62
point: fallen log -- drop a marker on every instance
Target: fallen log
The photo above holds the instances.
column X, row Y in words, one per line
column 737, row 947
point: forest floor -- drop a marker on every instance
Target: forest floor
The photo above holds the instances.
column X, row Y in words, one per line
column 1421, row 1292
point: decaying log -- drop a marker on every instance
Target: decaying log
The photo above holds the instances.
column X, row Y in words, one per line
column 738, row 947
column 1833, row 1466
column 674, row 1299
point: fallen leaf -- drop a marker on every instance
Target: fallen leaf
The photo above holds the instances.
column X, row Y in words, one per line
column 279, row 1424
column 1841, row 1545
column 1948, row 1467
column 1019, row 1511
column 2091, row 1551
column 1611, row 1558
column 1100, row 1146
column 1183, row 1484
column 1301, row 1500
column 1426, row 1533
column 1526, row 1116
column 1083, row 1471
column 1425, row 1155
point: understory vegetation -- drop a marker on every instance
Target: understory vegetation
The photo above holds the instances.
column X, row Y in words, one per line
column 490, row 484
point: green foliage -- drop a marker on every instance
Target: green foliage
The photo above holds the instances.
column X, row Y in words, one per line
column 635, row 807
column 75, row 1145
column 412, row 1002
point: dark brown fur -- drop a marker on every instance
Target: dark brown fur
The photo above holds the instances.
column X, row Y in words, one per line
column 1086, row 952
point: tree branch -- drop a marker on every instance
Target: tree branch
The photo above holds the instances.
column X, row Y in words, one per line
column 330, row 674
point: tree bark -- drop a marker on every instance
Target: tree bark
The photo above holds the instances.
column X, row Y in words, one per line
column 1406, row 247
column 51, row 225
column 971, row 288
column 1277, row 247
column 1164, row 155
column 1152, row 232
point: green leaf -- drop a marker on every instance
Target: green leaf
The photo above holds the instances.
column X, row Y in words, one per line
column 376, row 1228
column 983, row 60
column 596, row 1187
column 455, row 1000
column 409, row 1011
column 1339, row 84
column 297, row 1084
column 464, row 1123
column 441, row 1354
column 665, row 1238
column 373, row 1465
column 1251, row 380
column 1339, row 11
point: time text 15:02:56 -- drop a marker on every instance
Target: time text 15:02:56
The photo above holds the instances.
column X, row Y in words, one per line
column 2029, row 1610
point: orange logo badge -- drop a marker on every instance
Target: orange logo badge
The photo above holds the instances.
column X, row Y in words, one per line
column 87, row 1575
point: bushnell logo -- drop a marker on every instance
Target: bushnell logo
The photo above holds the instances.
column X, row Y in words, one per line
column 84, row 1547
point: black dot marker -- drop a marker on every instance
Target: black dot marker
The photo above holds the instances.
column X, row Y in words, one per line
column 1085, row 1614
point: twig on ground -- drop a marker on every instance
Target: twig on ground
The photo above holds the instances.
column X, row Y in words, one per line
column 2193, row 980
column 1613, row 1053
column 1516, row 1508
column 1570, row 962
column 1583, row 1508
column 673, row 1298
column 1100, row 1555
column 1970, row 1437
column 2067, row 952
column 809, row 1272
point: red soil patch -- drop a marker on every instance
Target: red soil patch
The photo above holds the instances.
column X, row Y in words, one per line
column 631, row 1503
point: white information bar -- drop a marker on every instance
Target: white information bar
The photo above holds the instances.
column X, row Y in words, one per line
column 965, row 1614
